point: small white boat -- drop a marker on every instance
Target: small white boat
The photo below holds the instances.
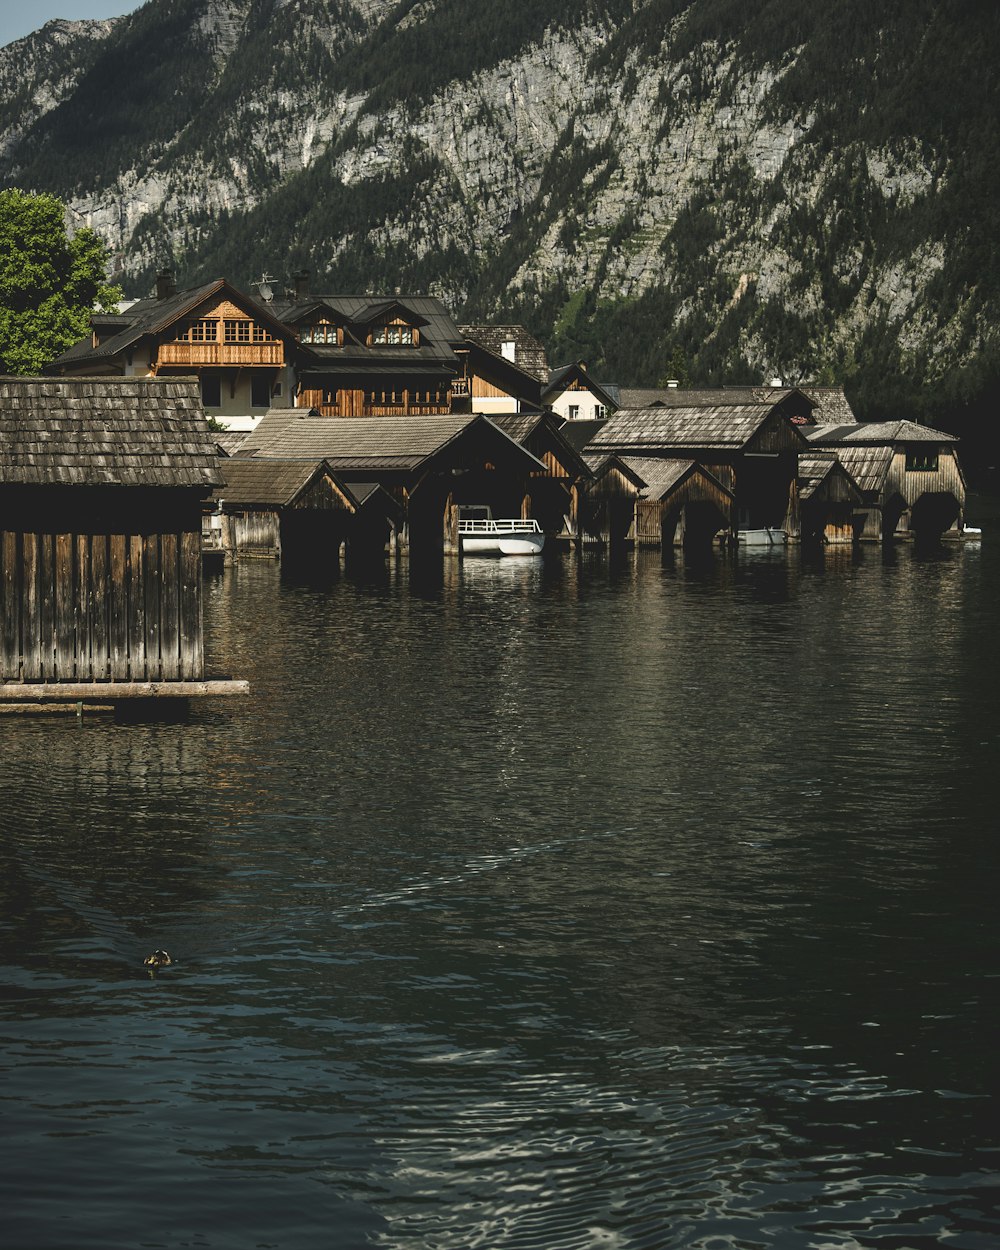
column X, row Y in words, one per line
column 483, row 535
column 762, row 538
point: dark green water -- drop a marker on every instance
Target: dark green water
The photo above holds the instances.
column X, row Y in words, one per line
column 547, row 907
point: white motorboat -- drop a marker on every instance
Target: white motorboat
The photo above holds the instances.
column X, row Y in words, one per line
column 762, row 538
column 483, row 535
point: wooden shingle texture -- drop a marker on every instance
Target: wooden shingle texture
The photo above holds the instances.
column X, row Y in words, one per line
column 362, row 443
column 729, row 426
column 105, row 432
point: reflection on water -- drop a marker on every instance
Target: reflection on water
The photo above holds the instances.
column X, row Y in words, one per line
column 532, row 903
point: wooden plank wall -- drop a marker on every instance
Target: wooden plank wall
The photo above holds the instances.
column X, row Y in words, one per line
column 100, row 607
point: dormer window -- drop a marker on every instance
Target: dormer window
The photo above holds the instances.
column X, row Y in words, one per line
column 320, row 332
column 395, row 335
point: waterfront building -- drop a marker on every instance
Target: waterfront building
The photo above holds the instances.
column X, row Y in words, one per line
column 102, row 483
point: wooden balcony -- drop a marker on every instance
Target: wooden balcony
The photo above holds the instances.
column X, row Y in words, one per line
column 232, row 355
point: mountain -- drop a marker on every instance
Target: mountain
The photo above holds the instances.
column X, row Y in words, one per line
column 712, row 188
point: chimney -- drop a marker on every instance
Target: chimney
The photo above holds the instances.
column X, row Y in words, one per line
column 165, row 284
column 301, row 280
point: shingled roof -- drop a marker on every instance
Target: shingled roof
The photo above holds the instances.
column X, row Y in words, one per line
column 661, row 476
column 866, row 465
column 362, row 443
column 701, row 396
column 529, row 354
column 154, row 316
column 105, row 432
column 873, row 432
column 815, row 466
column 731, row 426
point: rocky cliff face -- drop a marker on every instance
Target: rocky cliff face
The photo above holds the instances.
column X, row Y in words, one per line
column 641, row 181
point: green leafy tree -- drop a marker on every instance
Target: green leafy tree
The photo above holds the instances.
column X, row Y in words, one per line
column 50, row 282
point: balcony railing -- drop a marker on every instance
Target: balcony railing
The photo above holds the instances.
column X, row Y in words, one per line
column 233, row 354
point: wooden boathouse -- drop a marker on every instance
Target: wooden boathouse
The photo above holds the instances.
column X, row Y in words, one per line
column 102, row 483
column 298, row 511
column 429, row 465
column 750, row 449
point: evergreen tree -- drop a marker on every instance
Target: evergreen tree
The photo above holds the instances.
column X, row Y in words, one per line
column 50, row 281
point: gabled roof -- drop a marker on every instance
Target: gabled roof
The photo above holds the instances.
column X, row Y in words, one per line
column 600, row 463
column 524, row 426
column 105, row 432
column 868, row 466
column 361, row 310
column 871, row 433
column 661, row 476
column 559, row 378
column 154, row 316
column 814, row 469
column 730, row 427
column 529, row 354
column 370, row 443
column 795, row 399
column 269, row 482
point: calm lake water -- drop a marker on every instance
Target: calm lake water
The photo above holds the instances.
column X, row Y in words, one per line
column 548, row 906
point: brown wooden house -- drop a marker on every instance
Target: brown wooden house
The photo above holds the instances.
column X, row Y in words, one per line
column 829, row 499
column 240, row 353
column 361, row 356
column 101, row 490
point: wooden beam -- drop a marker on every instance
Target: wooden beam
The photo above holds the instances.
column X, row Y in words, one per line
column 111, row 691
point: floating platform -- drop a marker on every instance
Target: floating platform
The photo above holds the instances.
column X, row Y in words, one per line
column 112, row 692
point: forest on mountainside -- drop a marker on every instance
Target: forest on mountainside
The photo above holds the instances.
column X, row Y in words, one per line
column 722, row 190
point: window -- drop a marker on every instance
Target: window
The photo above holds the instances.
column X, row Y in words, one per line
column 237, row 331
column 574, row 412
column 211, row 390
column 260, row 335
column 323, row 332
column 392, row 336
column 921, row 460
column 600, row 412
column 204, row 331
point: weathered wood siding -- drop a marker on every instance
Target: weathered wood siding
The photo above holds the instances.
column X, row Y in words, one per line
column 100, row 606
column 256, row 533
column 910, row 485
column 382, row 403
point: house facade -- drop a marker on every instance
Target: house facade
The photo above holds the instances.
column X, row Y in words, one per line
column 242, row 355
column 574, row 395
